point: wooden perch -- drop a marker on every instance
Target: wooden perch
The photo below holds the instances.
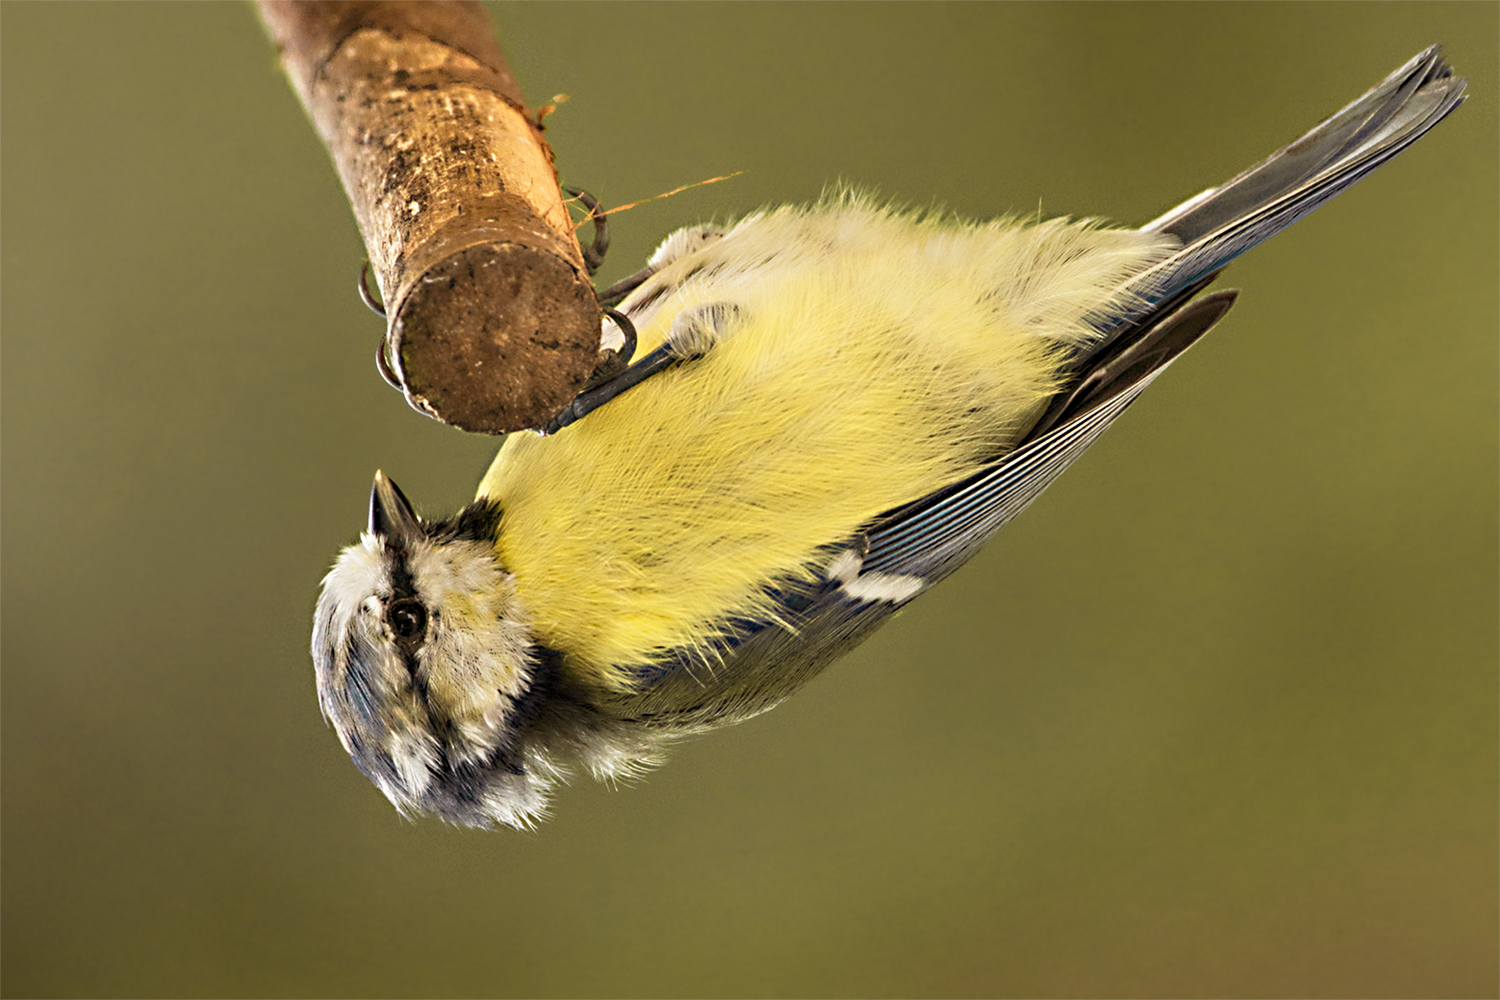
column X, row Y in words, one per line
column 493, row 324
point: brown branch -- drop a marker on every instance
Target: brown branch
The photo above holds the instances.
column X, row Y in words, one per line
column 493, row 322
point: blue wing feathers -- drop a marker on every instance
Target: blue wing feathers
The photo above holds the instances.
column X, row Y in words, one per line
column 932, row 536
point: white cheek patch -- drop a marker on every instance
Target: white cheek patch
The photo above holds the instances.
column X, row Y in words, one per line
column 475, row 741
column 478, row 643
column 413, row 756
column 892, row 587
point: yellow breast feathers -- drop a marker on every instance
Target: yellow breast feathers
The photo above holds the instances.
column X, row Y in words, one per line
column 866, row 359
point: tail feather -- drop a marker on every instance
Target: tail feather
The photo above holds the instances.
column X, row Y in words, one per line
column 1364, row 134
column 931, row 536
column 1223, row 222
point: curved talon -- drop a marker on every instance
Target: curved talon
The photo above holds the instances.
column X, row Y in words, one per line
column 365, row 296
column 627, row 349
column 384, row 364
column 615, row 360
column 687, row 341
column 593, row 257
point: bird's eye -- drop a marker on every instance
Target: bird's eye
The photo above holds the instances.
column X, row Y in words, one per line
column 408, row 618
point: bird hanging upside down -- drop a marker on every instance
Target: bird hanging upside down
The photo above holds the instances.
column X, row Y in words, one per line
column 839, row 405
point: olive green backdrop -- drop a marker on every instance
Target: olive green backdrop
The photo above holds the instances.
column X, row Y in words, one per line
column 1217, row 716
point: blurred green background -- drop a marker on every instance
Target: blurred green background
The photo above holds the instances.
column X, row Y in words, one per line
column 1216, row 717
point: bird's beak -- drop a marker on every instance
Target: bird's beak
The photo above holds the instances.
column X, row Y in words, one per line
column 391, row 515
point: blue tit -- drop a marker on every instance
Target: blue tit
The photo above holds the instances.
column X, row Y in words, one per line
column 838, row 405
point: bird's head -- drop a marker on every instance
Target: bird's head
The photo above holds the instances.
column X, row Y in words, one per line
column 425, row 664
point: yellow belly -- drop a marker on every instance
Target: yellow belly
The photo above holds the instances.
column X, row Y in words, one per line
column 857, row 381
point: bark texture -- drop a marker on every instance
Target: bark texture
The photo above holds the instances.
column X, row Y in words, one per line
column 493, row 324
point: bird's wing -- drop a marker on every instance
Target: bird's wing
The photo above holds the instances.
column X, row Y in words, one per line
column 932, row 536
column 908, row 549
column 904, row 552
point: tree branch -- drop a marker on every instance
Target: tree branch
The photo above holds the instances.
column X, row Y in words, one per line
column 493, row 324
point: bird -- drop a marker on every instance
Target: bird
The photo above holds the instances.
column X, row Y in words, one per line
column 838, row 405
